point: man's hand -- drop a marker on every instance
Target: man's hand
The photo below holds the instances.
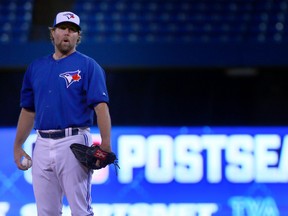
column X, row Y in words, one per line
column 19, row 153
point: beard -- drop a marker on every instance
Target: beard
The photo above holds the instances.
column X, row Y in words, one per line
column 65, row 47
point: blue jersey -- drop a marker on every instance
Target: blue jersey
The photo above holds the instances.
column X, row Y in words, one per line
column 63, row 93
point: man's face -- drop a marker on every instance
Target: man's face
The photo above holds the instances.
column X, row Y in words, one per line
column 65, row 37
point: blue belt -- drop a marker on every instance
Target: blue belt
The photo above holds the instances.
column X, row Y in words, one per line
column 58, row 134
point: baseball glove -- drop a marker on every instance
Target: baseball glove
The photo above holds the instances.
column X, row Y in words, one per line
column 88, row 156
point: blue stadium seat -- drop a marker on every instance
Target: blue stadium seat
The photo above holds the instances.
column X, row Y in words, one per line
column 184, row 20
column 15, row 20
column 161, row 21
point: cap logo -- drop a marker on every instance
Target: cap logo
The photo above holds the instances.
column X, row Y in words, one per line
column 69, row 15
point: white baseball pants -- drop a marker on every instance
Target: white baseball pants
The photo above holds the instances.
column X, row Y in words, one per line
column 57, row 173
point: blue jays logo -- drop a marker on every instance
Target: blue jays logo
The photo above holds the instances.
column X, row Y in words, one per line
column 71, row 77
column 69, row 15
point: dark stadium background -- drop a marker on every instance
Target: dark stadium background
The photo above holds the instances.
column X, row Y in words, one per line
column 168, row 63
column 176, row 70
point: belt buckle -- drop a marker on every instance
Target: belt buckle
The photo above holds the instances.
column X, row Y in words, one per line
column 52, row 135
column 58, row 134
column 74, row 131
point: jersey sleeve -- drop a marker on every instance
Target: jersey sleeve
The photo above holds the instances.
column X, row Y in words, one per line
column 96, row 85
column 27, row 95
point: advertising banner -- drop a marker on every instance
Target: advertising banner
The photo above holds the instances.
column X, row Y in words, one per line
column 172, row 171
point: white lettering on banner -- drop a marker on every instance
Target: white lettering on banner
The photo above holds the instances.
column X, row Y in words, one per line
column 157, row 209
column 249, row 206
column 266, row 159
column 283, row 160
column 160, row 169
column 262, row 206
column 242, row 158
column 31, row 210
column 139, row 209
column 133, row 153
column 214, row 144
column 189, row 159
column 239, row 158
column 4, row 208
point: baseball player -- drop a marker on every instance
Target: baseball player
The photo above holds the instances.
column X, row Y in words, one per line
column 61, row 92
